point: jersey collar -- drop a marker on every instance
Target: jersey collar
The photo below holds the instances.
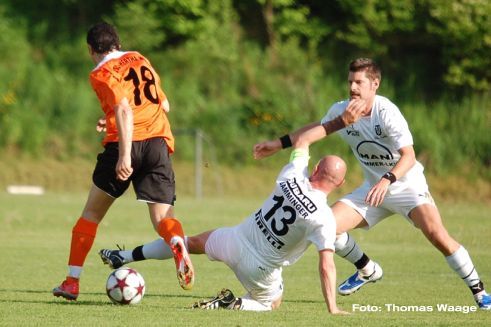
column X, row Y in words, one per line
column 109, row 56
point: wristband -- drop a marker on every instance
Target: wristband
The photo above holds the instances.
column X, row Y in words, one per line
column 286, row 141
column 390, row 176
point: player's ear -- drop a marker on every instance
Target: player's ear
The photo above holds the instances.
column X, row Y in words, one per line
column 91, row 51
column 341, row 183
column 376, row 83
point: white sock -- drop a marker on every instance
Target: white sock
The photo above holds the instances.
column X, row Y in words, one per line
column 368, row 269
column 127, row 255
column 157, row 249
column 75, row 271
column 347, row 248
column 253, row 305
column 461, row 263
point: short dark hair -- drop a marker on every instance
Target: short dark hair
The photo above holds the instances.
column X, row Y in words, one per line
column 103, row 37
column 370, row 67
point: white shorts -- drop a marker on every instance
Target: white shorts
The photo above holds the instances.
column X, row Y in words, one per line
column 263, row 284
column 401, row 203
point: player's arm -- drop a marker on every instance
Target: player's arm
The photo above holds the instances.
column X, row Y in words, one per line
column 376, row 195
column 312, row 132
column 124, row 122
column 327, row 273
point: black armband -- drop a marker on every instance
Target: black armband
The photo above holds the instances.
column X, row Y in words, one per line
column 390, row 176
column 286, row 141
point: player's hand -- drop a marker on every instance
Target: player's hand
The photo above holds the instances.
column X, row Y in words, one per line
column 354, row 111
column 376, row 195
column 266, row 149
column 101, row 125
column 123, row 168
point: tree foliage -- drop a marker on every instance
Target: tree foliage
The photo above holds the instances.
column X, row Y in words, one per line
column 247, row 70
column 447, row 40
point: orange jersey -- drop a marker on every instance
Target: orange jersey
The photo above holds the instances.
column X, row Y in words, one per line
column 130, row 75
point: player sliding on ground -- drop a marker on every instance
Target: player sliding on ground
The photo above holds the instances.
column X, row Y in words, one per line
column 295, row 215
column 394, row 181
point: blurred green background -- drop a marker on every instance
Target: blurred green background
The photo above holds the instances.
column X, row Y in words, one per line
column 247, row 70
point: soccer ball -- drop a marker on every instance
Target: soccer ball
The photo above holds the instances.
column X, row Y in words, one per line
column 125, row 286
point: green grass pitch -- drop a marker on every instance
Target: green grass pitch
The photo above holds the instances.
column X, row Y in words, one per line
column 34, row 243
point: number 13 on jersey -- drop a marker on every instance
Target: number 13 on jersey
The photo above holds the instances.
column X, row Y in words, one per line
column 287, row 217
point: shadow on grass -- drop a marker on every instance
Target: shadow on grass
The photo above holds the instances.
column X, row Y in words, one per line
column 62, row 301
column 302, row 301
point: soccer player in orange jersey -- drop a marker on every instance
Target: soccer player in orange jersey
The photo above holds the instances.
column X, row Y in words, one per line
column 137, row 148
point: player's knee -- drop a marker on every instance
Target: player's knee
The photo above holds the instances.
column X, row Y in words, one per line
column 343, row 244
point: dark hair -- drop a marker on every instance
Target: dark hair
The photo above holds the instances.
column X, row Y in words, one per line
column 371, row 69
column 103, row 37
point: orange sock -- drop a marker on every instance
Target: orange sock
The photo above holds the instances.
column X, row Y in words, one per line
column 170, row 227
column 83, row 235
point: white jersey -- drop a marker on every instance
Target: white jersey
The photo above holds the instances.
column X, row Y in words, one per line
column 292, row 217
column 375, row 142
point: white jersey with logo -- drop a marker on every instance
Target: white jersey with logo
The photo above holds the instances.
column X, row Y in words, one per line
column 375, row 142
column 294, row 216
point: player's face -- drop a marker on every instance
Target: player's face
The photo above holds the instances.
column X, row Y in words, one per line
column 361, row 87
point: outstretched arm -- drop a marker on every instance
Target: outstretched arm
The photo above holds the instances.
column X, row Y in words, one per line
column 327, row 272
column 312, row 132
column 268, row 148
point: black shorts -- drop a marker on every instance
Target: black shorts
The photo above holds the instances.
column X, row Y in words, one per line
column 152, row 178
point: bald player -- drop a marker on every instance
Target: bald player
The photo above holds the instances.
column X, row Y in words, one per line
column 295, row 215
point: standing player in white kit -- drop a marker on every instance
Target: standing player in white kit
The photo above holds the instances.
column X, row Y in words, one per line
column 394, row 181
column 295, row 215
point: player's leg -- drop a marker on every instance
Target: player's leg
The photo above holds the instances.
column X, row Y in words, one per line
column 197, row 244
column 224, row 245
column 170, row 229
column 154, row 183
column 427, row 218
column 157, row 249
column 347, row 218
column 264, row 284
column 249, row 303
column 83, row 235
column 219, row 245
